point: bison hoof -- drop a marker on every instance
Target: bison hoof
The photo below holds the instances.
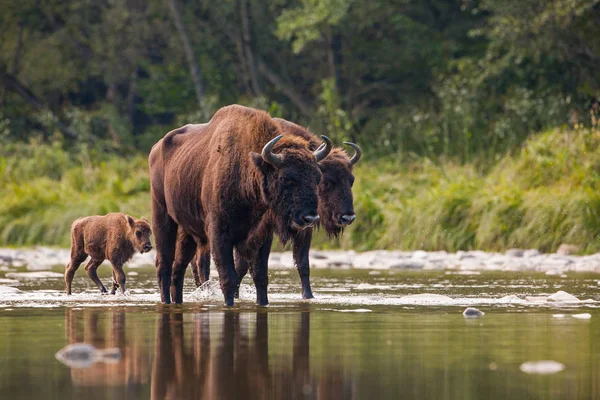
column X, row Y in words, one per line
column 229, row 302
column 307, row 295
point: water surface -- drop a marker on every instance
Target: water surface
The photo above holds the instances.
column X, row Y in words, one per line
column 359, row 339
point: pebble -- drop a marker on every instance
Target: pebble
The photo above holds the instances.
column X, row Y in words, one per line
column 542, row 367
column 472, row 312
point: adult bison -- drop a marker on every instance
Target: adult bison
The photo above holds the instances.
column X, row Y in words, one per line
column 214, row 183
column 335, row 209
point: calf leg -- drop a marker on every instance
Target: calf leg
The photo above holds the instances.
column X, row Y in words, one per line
column 120, row 276
column 91, row 268
column 115, row 285
column 301, row 247
column 76, row 260
column 165, row 236
column 184, row 252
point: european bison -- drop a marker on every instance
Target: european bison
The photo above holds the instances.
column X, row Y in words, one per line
column 115, row 237
column 335, row 209
column 215, row 182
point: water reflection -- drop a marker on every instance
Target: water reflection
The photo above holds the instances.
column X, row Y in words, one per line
column 216, row 355
column 85, row 326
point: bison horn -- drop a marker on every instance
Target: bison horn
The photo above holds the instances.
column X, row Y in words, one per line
column 268, row 156
column 356, row 155
column 321, row 152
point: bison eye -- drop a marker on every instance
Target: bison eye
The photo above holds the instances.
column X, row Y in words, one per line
column 138, row 234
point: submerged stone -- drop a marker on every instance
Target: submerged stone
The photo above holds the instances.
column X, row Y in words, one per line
column 83, row 355
column 542, row 367
column 472, row 312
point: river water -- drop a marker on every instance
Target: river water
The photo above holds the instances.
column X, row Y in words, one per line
column 362, row 337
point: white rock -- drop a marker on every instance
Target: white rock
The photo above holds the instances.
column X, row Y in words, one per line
column 558, row 315
column 542, row 367
column 511, row 298
column 9, row 289
column 419, row 254
column 563, row 297
column 582, row 316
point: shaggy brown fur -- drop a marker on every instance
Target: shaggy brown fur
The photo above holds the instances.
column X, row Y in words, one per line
column 115, row 237
column 335, row 203
column 209, row 183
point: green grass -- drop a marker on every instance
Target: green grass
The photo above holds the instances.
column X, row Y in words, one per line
column 545, row 194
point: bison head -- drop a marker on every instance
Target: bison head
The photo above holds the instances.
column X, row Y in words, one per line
column 290, row 178
column 140, row 234
column 335, row 189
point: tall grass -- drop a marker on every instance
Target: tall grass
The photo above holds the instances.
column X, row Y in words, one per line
column 545, row 194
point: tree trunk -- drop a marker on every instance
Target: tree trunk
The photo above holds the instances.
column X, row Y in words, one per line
column 189, row 51
column 248, row 49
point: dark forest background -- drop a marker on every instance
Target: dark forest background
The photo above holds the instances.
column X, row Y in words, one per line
column 444, row 96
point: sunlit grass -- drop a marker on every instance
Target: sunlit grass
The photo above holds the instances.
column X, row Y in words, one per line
column 541, row 196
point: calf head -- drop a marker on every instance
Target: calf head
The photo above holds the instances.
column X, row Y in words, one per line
column 139, row 234
column 335, row 189
column 290, row 177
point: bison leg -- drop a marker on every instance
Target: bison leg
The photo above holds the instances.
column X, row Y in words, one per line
column 165, row 237
column 184, row 252
column 91, row 268
column 222, row 250
column 260, row 272
column 301, row 248
column 203, row 265
column 241, row 268
column 76, row 260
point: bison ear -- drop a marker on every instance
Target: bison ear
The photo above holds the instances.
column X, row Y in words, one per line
column 260, row 163
column 130, row 221
column 145, row 220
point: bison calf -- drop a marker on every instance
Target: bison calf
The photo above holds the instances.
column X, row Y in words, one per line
column 115, row 237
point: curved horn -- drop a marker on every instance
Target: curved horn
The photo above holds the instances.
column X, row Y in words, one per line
column 321, row 152
column 356, row 155
column 268, row 156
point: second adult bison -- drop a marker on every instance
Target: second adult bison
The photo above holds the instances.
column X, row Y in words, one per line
column 215, row 184
column 335, row 209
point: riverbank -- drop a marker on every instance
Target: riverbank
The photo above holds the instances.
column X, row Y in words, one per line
column 461, row 262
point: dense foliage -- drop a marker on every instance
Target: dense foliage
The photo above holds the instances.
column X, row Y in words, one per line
column 460, row 78
column 442, row 95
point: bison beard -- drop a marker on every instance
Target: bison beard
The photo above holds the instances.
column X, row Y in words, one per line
column 210, row 185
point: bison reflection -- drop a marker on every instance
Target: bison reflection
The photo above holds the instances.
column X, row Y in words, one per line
column 93, row 327
column 229, row 358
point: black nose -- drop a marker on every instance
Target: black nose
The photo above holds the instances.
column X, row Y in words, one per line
column 147, row 247
column 347, row 219
column 310, row 219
